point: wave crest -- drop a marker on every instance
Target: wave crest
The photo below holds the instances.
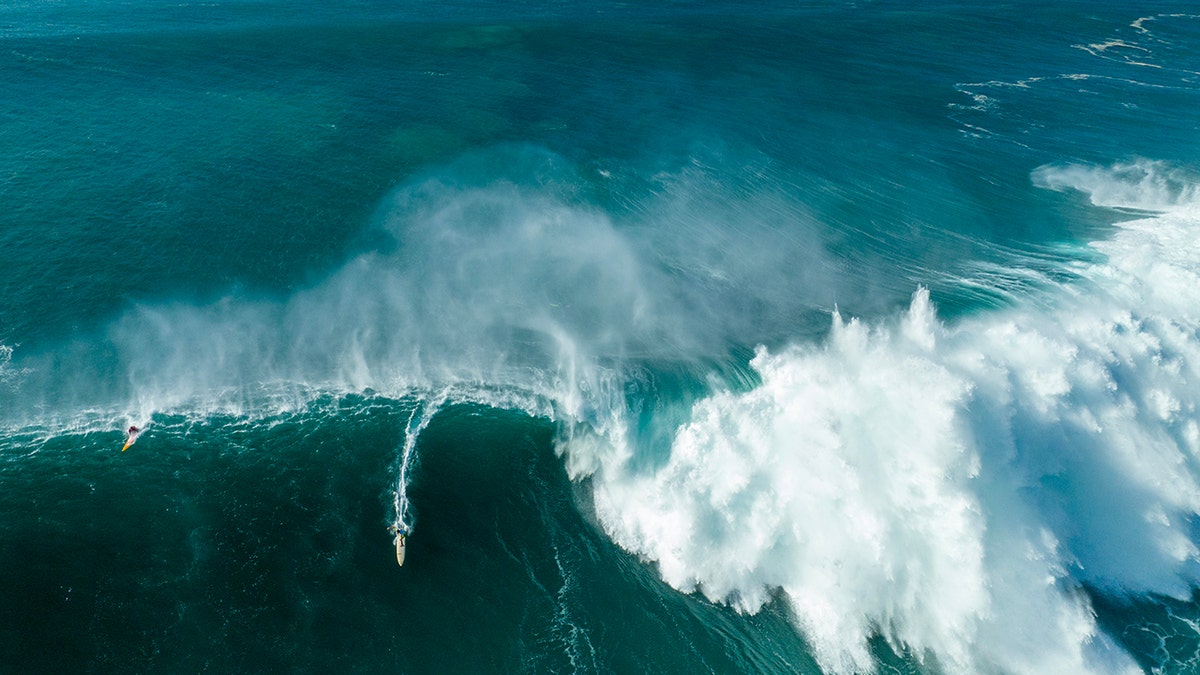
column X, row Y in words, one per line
column 952, row 487
column 1142, row 185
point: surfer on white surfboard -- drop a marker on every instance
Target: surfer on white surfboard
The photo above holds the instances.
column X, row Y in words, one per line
column 401, row 533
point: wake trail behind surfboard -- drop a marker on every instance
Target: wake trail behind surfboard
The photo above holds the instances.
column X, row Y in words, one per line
column 401, row 524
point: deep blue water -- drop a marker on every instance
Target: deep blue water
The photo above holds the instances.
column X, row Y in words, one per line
column 684, row 337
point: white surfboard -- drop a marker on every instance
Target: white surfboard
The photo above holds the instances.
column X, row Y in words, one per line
column 400, row 548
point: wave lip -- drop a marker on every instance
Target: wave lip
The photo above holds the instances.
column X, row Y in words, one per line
column 1142, row 185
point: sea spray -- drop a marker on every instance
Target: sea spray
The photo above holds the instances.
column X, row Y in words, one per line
column 848, row 479
column 599, row 214
column 952, row 487
column 945, row 487
column 8, row 374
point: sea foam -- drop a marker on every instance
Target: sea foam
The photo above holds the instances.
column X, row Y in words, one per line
column 956, row 488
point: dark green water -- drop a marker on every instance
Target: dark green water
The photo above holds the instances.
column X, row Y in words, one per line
column 234, row 546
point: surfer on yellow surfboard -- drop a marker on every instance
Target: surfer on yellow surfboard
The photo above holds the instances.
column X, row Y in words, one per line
column 131, row 437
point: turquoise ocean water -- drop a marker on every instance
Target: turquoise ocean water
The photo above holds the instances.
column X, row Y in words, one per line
column 805, row 337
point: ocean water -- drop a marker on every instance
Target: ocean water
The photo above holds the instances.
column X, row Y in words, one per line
column 756, row 337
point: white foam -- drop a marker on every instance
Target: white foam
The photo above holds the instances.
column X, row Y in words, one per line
column 952, row 487
column 5, row 363
column 421, row 416
column 947, row 487
column 1143, row 185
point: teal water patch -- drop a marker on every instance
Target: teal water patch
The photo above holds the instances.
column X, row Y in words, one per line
column 1163, row 634
column 208, row 545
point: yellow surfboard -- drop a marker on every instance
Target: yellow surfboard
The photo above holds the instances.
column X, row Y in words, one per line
column 131, row 439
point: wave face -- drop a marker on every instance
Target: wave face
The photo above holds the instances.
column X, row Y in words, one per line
column 740, row 339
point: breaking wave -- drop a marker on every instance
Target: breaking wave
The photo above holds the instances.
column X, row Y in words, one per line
column 958, row 489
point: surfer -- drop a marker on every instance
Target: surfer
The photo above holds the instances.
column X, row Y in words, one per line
column 400, row 532
column 131, row 436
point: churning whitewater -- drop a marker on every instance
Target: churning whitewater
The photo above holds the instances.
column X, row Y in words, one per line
column 954, row 487
column 770, row 338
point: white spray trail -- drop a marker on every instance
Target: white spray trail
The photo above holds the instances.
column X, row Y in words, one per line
column 422, row 414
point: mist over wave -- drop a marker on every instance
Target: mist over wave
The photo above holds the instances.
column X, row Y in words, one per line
column 1142, row 185
column 511, row 284
column 701, row 337
column 956, row 487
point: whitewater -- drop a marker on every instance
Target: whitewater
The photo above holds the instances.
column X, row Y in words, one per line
column 857, row 345
column 955, row 487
